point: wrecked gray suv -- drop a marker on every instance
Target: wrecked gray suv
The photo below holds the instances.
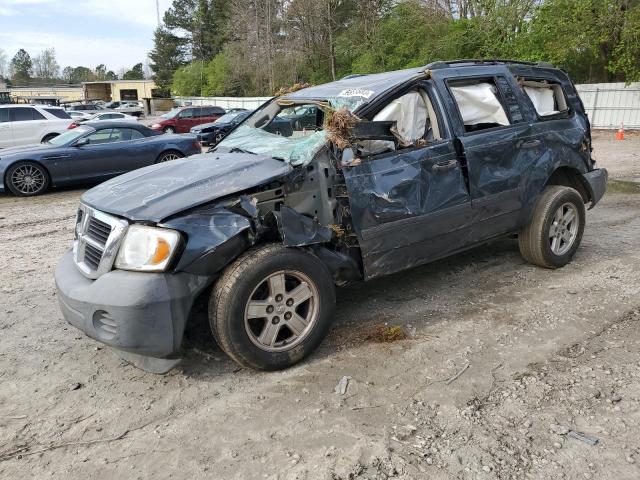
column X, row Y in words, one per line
column 395, row 170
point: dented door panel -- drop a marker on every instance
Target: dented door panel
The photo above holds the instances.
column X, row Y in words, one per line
column 408, row 207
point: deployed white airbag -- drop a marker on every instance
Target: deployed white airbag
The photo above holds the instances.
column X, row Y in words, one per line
column 478, row 104
column 543, row 99
column 410, row 113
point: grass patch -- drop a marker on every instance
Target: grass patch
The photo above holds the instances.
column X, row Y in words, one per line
column 622, row 186
column 386, row 334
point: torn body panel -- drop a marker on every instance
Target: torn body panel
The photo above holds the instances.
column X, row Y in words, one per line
column 407, row 206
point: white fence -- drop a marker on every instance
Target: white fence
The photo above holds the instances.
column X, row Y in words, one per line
column 610, row 104
column 250, row 103
column 607, row 104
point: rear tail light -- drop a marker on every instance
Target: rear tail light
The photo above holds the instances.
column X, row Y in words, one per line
column 197, row 145
column 73, row 125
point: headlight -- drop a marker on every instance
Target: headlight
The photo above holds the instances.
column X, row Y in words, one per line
column 147, row 249
column 155, row 125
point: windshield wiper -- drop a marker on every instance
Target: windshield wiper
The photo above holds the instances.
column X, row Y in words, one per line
column 240, row 150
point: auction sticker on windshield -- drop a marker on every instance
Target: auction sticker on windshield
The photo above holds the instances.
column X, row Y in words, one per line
column 356, row 92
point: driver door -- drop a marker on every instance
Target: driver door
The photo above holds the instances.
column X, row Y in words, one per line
column 410, row 205
column 107, row 154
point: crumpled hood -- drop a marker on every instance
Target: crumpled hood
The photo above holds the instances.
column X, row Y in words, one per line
column 156, row 192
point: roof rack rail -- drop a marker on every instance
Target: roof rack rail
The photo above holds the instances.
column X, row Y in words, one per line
column 490, row 61
column 354, row 75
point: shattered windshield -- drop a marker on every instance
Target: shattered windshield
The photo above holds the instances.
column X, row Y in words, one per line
column 292, row 133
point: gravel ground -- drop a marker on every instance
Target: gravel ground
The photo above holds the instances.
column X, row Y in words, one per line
column 503, row 363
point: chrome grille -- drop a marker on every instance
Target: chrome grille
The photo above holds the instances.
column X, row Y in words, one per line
column 92, row 256
column 98, row 230
column 98, row 237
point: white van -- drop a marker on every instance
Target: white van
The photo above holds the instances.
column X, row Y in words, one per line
column 25, row 124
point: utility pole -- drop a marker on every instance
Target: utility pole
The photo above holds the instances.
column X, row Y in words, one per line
column 158, row 11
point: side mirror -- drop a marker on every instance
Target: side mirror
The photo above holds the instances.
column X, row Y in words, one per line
column 80, row 142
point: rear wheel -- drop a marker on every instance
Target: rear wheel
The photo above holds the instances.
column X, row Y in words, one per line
column 169, row 130
column 27, row 179
column 272, row 307
column 168, row 156
column 555, row 231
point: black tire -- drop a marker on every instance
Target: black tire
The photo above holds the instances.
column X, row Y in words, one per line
column 243, row 278
column 32, row 169
column 536, row 240
column 168, row 156
column 49, row 137
column 169, row 130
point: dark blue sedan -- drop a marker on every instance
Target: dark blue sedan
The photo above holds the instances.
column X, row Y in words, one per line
column 88, row 154
column 212, row 133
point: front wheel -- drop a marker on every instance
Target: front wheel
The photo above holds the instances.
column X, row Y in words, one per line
column 168, row 156
column 27, row 179
column 555, row 231
column 272, row 307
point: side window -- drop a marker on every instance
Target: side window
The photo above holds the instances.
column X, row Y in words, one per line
column 135, row 134
column 37, row 115
column 416, row 123
column 4, row 115
column 56, row 112
column 101, row 136
column 120, row 135
column 21, row 114
column 188, row 113
column 548, row 98
column 479, row 104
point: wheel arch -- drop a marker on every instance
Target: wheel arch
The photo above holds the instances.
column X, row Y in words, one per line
column 570, row 177
column 49, row 135
column 170, row 149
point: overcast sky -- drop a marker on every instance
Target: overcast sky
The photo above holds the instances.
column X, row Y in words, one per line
column 118, row 33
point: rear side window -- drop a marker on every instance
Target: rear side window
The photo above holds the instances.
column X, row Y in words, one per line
column 57, row 112
column 548, row 98
column 25, row 114
column 479, row 104
column 136, row 135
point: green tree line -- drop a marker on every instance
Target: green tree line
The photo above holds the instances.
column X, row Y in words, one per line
column 253, row 47
column 43, row 68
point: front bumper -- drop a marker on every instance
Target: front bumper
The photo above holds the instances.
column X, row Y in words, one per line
column 205, row 138
column 596, row 183
column 137, row 312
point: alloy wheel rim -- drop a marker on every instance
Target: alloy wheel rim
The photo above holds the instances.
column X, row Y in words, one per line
column 563, row 229
column 169, row 156
column 28, row 179
column 281, row 311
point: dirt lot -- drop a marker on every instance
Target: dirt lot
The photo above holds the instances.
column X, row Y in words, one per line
column 503, row 361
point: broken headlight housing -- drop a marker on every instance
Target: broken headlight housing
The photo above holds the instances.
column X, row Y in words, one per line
column 147, row 249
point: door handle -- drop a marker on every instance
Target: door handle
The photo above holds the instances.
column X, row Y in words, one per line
column 530, row 144
column 445, row 166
